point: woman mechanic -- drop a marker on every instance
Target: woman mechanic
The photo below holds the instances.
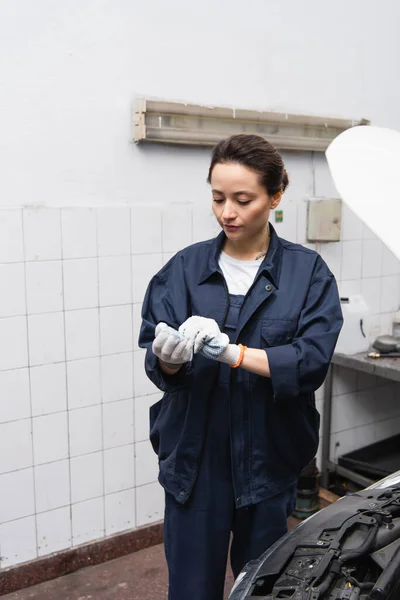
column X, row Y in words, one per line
column 239, row 332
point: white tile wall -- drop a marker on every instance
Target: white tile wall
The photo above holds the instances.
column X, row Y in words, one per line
column 80, row 283
column 54, row 531
column 373, row 327
column 120, row 511
column 143, row 268
column 176, row 227
column 85, row 430
column 345, row 382
column 302, row 210
column 87, row 521
column 332, row 255
column 50, row 437
column 150, row 504
column 368, row 234
column 15, row 445
column 82, row 333
column 18, row 541
column 146, row 229
column 114, row 235
column 12, row 290
column 146, row 463
column 44, row 288
column 142, row 384
column 385, row 323
column 79, row 232
column 48, row 389
column 390, row 264
column 344, row 414
column 42, row 234
column 52, row 486
column 119, row 469
column 83, row 381
column 86, row 477
column 11, row 236
column 352, row 227
column 77, row 417
column 289, row 226
column 13, row 343
column 205, row 225
column 351, row 260
column 116, row 330
column 46, row 338
column 390, row 293
column 14, row 395
column 350, row 287
column 17, row 495
column 365, row 381
column 115, row 280
column 117, row 376
column 142, row 407
column 387, row 428
column 118, row 426
column 365, row 409
column 137, row 321
column 372, row 258
column 371, row 290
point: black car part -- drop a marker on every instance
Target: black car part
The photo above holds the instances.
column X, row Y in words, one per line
column 348, row 551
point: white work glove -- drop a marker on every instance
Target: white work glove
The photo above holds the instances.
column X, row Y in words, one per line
column 209, row 340
column 171, row 347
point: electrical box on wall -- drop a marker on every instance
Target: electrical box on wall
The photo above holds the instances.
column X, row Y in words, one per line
column 324, row 219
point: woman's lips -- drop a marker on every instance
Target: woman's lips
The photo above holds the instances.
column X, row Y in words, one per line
column 232, row 227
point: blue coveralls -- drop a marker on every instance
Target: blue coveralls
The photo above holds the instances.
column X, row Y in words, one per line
column 231, row 444
column 197, row 534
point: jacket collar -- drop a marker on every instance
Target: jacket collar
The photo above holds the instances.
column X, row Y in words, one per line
column 271, row 265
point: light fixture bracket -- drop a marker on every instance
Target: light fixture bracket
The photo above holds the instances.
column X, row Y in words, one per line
column 190, row 124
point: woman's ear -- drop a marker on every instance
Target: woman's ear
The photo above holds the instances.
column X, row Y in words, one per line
column 276, row 198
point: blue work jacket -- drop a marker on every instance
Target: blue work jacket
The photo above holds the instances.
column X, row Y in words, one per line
column 292, row 311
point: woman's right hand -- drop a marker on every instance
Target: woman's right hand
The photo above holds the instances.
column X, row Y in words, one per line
column 172, row 348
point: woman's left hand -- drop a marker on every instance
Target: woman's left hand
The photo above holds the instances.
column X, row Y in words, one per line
column 212, row 343
column 208, row 339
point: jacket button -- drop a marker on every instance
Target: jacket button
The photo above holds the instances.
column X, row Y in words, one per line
column 268, row 287
column 182, row 493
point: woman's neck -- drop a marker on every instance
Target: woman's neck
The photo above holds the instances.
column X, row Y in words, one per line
column 254, row 248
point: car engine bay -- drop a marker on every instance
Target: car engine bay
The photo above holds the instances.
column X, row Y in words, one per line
column 347, row 551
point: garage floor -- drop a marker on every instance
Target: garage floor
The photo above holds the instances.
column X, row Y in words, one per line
column 138, row 576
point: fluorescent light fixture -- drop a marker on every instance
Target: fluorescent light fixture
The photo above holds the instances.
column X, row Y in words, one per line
column 190, row 124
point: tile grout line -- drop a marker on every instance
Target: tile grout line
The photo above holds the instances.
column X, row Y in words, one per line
column 66, row 381
column 131, row 216
column 30, row 385
column 74, row 258
column 72, row 360
column 103, row 483
column 75, row 408
column 43, row 512
column 92, row 452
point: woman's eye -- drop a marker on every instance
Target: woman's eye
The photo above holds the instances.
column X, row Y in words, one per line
column 218, row 200
column 244, row 203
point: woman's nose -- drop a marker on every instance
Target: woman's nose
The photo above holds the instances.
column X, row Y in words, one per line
column 229, row 212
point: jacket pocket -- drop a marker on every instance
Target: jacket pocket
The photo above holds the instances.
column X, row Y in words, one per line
column 277, row 332
column 167, row 420
column 154, row 412
column 296, row 433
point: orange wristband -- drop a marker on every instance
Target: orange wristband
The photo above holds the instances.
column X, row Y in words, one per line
column 241, row 356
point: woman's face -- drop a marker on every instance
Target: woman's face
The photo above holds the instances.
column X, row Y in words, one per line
column 241, row 204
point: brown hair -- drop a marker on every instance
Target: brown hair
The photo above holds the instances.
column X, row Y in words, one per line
column 255, row 153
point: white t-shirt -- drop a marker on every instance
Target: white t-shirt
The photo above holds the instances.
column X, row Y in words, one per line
column 239, row 274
